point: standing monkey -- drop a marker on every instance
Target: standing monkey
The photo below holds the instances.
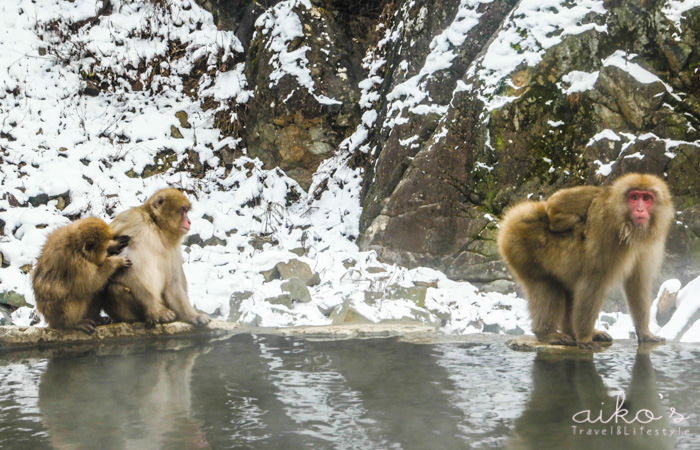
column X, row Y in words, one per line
column 75, row 263
column 155, row 290
column 568, row 250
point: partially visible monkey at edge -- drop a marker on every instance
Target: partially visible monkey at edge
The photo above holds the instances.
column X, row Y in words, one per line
column 569, row 250
column 75, row 263
column 155, row 289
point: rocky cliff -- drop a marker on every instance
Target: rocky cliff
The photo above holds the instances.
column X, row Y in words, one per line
column 455, row 109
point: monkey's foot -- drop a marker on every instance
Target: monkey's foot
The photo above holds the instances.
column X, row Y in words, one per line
column 650, row 338
column 601, row 336
column 200, row 320
column 103, row 320
column 86, row 325
column 557, row 339
column 163, row 315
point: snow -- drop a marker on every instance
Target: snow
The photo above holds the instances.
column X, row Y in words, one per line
column 687, row 305
column 228, row 85
column 283, row 25
column 533, row 27
column 411, row 95
column 579, row 81
column 628, row 139
column 57, row 140
column 622, row 60
column 674, row 9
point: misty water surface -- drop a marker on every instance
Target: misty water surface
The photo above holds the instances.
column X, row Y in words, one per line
column 269, row 392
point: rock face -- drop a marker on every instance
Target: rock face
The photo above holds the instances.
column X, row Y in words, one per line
column 451, row 110
column 303, row 65
column 435, row 201
column 455, row 109
column 425, row 97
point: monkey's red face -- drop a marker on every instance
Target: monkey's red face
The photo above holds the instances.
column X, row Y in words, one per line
column 184, row 221
column 640, row 203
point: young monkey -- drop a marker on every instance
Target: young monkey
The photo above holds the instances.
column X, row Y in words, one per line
column 75, row 264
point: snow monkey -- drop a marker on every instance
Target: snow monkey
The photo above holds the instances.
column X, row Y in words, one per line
column 155, row 289
column 568, row 250
column 75, row 264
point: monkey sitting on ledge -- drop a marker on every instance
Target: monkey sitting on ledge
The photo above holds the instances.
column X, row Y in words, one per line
column 155, row 289
column 75, row 264
column 568, row 250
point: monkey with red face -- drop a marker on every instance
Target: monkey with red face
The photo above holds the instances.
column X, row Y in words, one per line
column 155, row 290
column 568, row 250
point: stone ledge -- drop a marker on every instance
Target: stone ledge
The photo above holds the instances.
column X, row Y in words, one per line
column 408, row 330
column 531, row 344
column 13, row 337
column 27, row 338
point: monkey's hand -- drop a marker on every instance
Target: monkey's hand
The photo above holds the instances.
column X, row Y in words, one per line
column 200, row 320
column 118, row 244
column 119, row 261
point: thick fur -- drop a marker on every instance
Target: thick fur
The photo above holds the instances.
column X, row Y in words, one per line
column 569, row 207
column 155, row 290
column 567, row 271
column 71, row 270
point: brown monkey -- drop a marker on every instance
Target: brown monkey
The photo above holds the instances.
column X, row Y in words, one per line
column 569, row 207
column 75, row 263
column 566, row 273
column 155, row 290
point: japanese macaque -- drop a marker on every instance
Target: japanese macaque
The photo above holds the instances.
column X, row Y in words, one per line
column 155, row 290
column 569, row 207
column 568, row 250
column 75, row 263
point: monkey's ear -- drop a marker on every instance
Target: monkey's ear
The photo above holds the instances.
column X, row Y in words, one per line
column 159, row 201
column 88, row 249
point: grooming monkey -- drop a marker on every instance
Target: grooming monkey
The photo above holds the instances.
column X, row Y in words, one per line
column 75, row 264
column 568, row 250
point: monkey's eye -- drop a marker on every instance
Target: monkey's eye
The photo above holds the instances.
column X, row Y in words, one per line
column 634, row 197
column 647, row 198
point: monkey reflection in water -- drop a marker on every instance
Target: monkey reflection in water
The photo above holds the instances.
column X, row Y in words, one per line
column 113, row 402
column 569, row 250
column 569, row 400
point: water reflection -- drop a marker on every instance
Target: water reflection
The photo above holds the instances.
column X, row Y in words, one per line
column 288, row 393
column 20, row 419
column 112, row 402
column 571, row 407
column 268, row 392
